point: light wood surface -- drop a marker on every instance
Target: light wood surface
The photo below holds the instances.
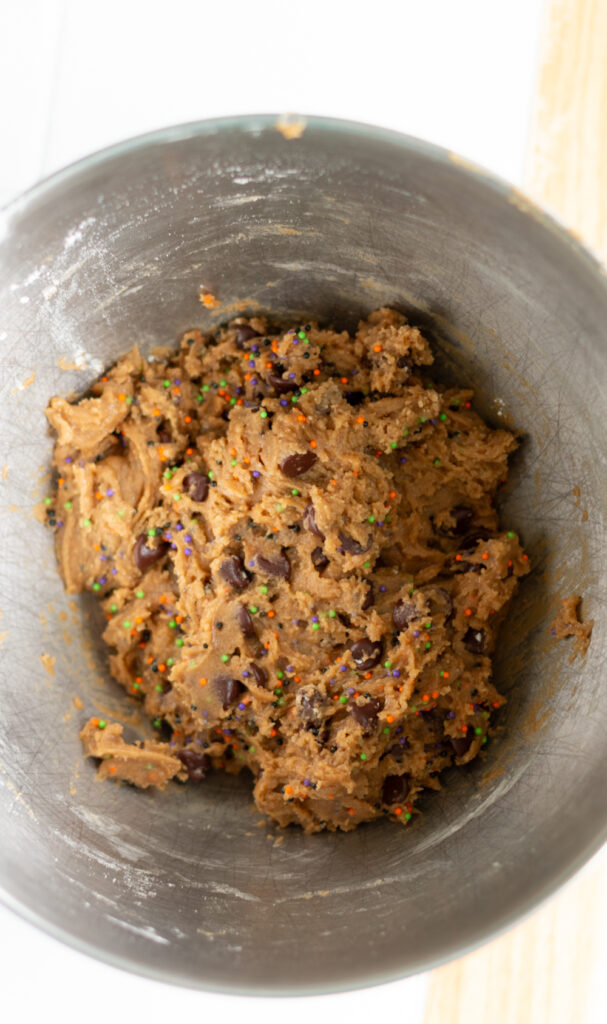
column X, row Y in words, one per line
column 550, row 969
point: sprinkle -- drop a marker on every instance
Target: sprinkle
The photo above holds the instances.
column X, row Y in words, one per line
column 478, row 731
column 225, row 657
column 263, row 413
column 332, row 613
column 187, row 551
column 279, row 507
column 101, row 724
column 253, row 609
column 313, row 444
column 263, row 588
column 179, row 641
column 96, row 586
column 343, row 699
column 126, row 624
column 363, row 757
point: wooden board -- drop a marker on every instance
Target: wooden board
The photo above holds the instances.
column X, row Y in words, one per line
column 550, row 969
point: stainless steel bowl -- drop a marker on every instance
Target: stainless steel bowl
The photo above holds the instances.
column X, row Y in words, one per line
column 190, row 886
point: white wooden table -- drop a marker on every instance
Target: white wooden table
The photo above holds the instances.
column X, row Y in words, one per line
column 76, row 76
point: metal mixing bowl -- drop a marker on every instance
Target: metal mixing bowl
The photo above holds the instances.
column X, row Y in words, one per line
column 189, row 885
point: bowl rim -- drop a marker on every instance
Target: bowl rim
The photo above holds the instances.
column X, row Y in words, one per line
column 255, row 124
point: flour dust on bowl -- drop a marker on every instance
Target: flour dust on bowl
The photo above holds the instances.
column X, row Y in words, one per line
column 329, row 221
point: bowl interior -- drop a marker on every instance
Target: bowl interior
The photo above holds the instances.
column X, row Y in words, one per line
column 191, row 885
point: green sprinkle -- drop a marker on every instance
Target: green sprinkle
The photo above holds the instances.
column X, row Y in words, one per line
column 363, row 757
column 96, row 586
column 443, row 416
column 295, row 492
column 280, row 675
column 478, row 731
column 199, row 398
column 48, row 501
column 263, row 588
column 263, row 413
column 280, row 701
column 136, row 686
column 386, row 519
column 343, row 699
column 315, row 625
column 166, row 383
column 405, row 432
column 156, row 723
column 129, row 400
column 428, row 645
column 149, row 767
column 86, row 522
column 437, row 462
column 152, row 533
column 210, row 474
column 294, row 398
column 423, row 419
column 101, row 724
column 139, row 593
column 176, row 497
column 120, row 513
column 205, row 388
column 279, row 507
column 332, row 614
column 167, row 476
column 234, row 462
column 408, row 816
column 223, row 383
column 304, row 391
column 414, row 707
column 301, row 335
column 510, row 534
column 251, row 750
column 253, row 609
column 484, row 740
column 386, row 730
column 113, row 608
column 172, row 624
column 393, row 445
column 126, row 624
column 371, row 519
column 180, row 641
column 225, row 657
column 427, row 625
column 170, row 661
column 367, row 564
column 232, row 401
column 158, row 688
column 278, row 691
column 387, row 664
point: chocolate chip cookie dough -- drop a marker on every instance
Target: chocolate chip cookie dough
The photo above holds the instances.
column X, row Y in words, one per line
column 294, row 540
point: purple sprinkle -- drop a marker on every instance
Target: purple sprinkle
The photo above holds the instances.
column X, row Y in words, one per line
column 173, row 743
column 179, row 526
column 295, row 341
column 289, row 668
column 283, row 401
column 380, row 524
column 553, row 631
column 168, row 536
column 103, row 579
column 354, row 372
column 343, row 668
column 291, row 376
column 188, row 538
column 351, row 691
column 187, row 551
column 382, row 589
column 252, row 563
column 252, row 363
column 256, row 473
column 396, row 674
column 227, row 732
column 400, row 729
column 307, row 782
column 245, row 675
column 315, row 618
column 173, row 547
column 433, row 422
column 416, row 633
column 451, row 714
column 103, row 558
column 110, row 492
column 114, row 571
column 69, row 458
column 332, row 681
column 242, row 707
column 403, row 459
column 254, row 383
column 239, row 391
column 403, row 741
column 247, row 405
column 81, row 462
column 254, row 348
column 263, row 652
column 296, row 622
column 177, row 381
column 60, row 523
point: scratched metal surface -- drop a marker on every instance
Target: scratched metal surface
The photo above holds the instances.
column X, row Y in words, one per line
column 187, row 885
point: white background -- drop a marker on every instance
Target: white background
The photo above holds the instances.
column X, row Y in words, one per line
column 76, row 76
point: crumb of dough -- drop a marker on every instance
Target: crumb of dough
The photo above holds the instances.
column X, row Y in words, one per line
column 568, row 623
column 294, row 540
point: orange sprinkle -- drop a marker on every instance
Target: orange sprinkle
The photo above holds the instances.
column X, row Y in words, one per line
column 392, row 494
column 297, row 679
column 267, row 646
column 268, row 366
column 360, row 419
column 525, row 558
column 435, row 695
column 464, row 728
column 155, row 412
column 179, row 618
column 467, row 611
column 246, row 459
column 121, row 397
column 485, row 555
column 458, row 558
column 202, row 682
column 221, row 392
column 273, row 733
column 61, row 480
column 425, row 698
column 113, row 769
column 401, row 688
column 301, row 418
column 288, row 789
column 313, row 444
column 377, row 348
column 389, row 719
column 162, row 668
column 138, row 619
column 350, row 810
column 367, row 675
column 332, row 482
column 510, row 564
column 163, row 599
column 335, row 697
column 189, row 451
column 104, row 378
column 398, row 810
column 316, row 372
column 496, row 704
column 445, row 675
column 150, row 660
column 271, row 613
column 176, row 391
column 344, row 380
column 187, row 419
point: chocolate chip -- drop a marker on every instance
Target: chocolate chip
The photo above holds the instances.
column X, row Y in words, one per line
column 471, row 539
column 461, row 744
column 366, row 653
column 309, row 521
column 369, row 600
column 319, row 559
column 352, row 546
column 245, row 621
column 366, row 714
column 259, row 673
column 227, row 690
column 462, row 566
column 278, row 565
column 354, row 398
column 310, row 706
column 163, row 431
column 197, row 764
column 395, row 789
column 234, row 572
column 146, row 556
column 404, row 364
column 196, row 486
column 243, row 333
column 404, row 612
column 474, row 641
column 462, row 516
column 298, row 463
column 281, row 386
column 440, row 601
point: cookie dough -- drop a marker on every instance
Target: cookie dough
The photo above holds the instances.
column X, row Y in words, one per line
column 568, row 623
column 293, row 537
